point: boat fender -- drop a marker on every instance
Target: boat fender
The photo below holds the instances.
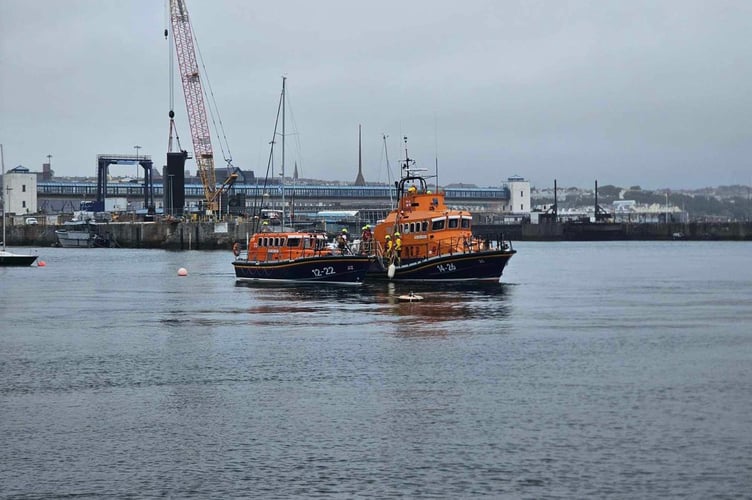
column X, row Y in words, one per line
column 236, row 249
column 390, row 272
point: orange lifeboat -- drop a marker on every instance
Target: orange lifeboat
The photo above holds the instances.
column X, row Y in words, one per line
column 431, row 241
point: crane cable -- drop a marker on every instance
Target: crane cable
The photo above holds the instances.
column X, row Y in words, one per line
column 213, row 108
column 171, row 78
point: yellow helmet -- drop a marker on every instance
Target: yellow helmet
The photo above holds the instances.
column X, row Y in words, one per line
column 396, row 234
column 388, row 237
column 344, row 229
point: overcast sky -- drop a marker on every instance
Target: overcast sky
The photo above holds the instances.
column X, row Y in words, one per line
column 650, row 93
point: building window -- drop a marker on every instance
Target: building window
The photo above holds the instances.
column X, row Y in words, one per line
column 522, row 207
column 522, row 194
column 23, row 188
column 23, row 204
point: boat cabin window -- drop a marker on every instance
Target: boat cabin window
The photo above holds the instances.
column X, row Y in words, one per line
column 424, row 226
column 454, row 223
column 438, row 224
column 293, row 242
column 271, row 242
column 307, row 243
column 466, row 222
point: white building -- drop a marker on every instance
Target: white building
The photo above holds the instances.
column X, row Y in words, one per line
column 656, row 213
column 20, row 191
column 519, row 196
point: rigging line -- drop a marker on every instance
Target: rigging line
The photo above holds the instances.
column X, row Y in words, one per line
column 388, row 173
column 381, row 161
column 257, row 206
column 274, row 136
column 170, row 77
column 170, row 55
column 298, row 148
column 213, row 108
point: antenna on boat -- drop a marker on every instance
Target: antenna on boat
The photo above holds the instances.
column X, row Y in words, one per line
column 407, row 161
column 407, row 158
column 437, row 174
column 436, row 151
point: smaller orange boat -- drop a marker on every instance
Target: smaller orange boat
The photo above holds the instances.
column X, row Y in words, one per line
column 425, row 240
column 295, row 256
column 292, row 256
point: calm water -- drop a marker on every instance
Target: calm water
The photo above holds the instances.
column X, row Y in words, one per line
column 596, row 370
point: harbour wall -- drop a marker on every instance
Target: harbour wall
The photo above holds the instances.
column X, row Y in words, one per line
column 572, row 231
column 164, row 235
column 222, row 235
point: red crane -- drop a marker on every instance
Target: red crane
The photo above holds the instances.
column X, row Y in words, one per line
column 194, row 103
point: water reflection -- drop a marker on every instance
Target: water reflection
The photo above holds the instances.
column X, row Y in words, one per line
column 446, row 309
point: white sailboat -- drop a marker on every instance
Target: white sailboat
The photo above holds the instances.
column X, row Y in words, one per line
column 9, row 258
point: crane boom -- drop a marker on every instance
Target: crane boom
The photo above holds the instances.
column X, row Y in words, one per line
column 194, row 100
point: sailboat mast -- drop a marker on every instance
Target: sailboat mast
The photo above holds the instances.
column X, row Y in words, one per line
column 388, row 172
column 282, row 181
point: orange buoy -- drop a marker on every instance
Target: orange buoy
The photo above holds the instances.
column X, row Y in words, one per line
column 41, row 263
column 182, row 272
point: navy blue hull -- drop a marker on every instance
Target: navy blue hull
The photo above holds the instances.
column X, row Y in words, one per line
column 325, row 269
column 484, row 266
column 7, row 260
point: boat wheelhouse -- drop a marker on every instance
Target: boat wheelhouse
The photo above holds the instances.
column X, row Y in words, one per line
column 423, row 239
